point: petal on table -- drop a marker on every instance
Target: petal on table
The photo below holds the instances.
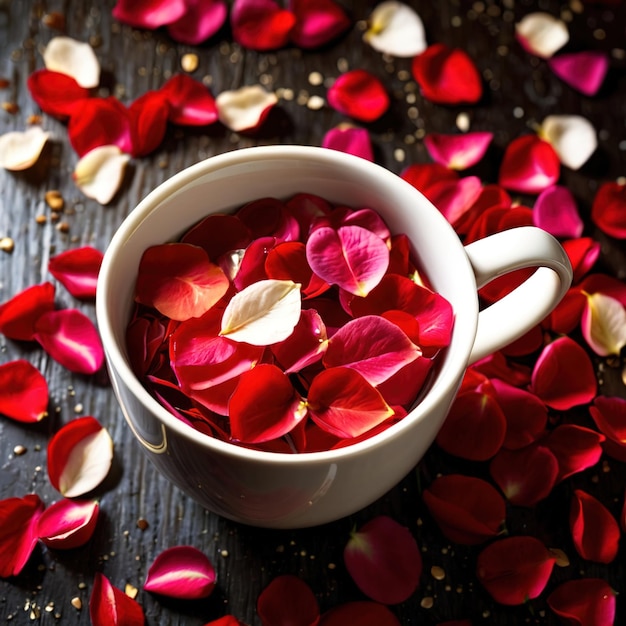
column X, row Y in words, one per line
column 584, row 602
column 555, row 211
column 603, row 324
column 149, row 13
column 100, row 172
column 384, row 560
column 608, row 211
column 147, row 117
column 575, row 447
column 609, row 416
column 19, row 314
column 359, row 94
column 349, row 139
column 68, row 524
column 585, row 71
column 201, row 20
column 318, row 22
column 244, row 109
column 287, row 599
column 573, row 138
column 73, row 58
column 23, row 392
column 20, row 150
column 109, row 606
column 261, row 24
column 457, row 152
column 55, row 93
column 541, row 34
column 359, row 612
column 191, row 103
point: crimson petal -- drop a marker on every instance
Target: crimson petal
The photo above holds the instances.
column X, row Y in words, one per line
column 19, row 314
column 109, row 606
column 190, row 102
column 609, row 209
column 261, row 24
column 23, row 392
column 318, row 22
column 77, row 270
column 584, row 602
column 68, row 524
column 360, row 95
column 609, row 416
column 362, row 613
column 288, row 601
column 18, row 535
column 55, row 93
column 201, row 20
column 575, row 447
column 384, row 560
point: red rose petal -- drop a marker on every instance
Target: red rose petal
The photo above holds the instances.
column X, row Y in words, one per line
column 583, row 252
column 109, row 606
column 68, row 524
column 447, row 75
column 71, row 339
column 55, row 93
column 468, row 510
column 181, row 572
column 77, row 270
column 218, row 234
column 563, row 376
column 609, row 416
column 362, row 613
column 18, row 535
column 288, row 601
column 23, row 392
column 147, row 117
column 318, row 22
column 264, row 405
column 595, row 532
column 515, row 569
column 190, row 102
column 585, row 71
column 584, row 602
column 19, row 314
column 360, row 95
column 201, row 20
column 529, row 165
column 423, row 176
column 269, row 217
column 384, row 560
column 455, row 198
column 261, row 24
column 496, row 365
column 575, row 447
column 404, row 386
column 609, row 209
column 148, row 13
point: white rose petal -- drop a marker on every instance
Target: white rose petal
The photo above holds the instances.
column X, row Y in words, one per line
column 100, row 172
column 20, row 150
column 243, row 108
column 73, row 58
column 396, row 29
column 573, row 138
column 542, row 34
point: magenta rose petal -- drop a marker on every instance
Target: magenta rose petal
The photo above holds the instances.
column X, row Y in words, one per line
column 68, row 524
column 515, row 569
column 343, row 403
column 529, row 165
column 19, row 314
column 109, row 606
column 351, row 257
column 371, row 345
column 71, row 339
column 585, row 71
column 190, row 102
column 595, row 532
column 201, row 20
column 288, row 601
column 468, row 510
column 261, row 24
column 359, row 94
column 226, row 620
column 318, row 22
column 608, row 211
column 182, row 572
column 575, row 447
column 563, row 376
column 80, row 455
column 264, row 406
column 584, row 602
column 454, row 198
column 351, row 140
column 149, row 14
column 361, row 612
column 458, row 152
column 384, row 560
column 23, row 392
column 18, row 535
column 77, row 270
column 555, row 211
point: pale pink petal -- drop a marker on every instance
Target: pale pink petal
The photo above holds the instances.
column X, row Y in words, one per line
column 584, row 71
column 73, row 58
column 603, row 324
column 541, row 34
column 458, row 152
column 100, row 173
column 555, row 211
column 181, row 572
column 245, row 108
column 573, row 138
column 21, row 150
column 349, row 139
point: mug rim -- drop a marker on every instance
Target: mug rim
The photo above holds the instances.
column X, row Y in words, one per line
column 118, row 361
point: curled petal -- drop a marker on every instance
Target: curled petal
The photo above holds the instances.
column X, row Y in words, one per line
column 360, row 95
column 351, row 140
column 19, row 314
column 555, row 211
column 573, row 138
column 100, row 172
column 584, row 602
column 110, row 606
column 71, row 339
column 18, row 534
column 246, row 108
column 458, row 152
column 23, row 392
column 261, row 24
column 21, row 150
column 384, row 560
column 73, row 58
column 395, row 28
column 603, row 324
column 190, row 102
column 585, row 71
column 288, row 599
column 595, row 531
column 68, row 524
column 515, row 569
column 541, row 34
column 609, row 209
column 181, row 572
column 201, row 20
column 79, row 456
column 318, row 22
column 56, row 94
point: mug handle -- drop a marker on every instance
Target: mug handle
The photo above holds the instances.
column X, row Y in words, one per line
column 526, row 306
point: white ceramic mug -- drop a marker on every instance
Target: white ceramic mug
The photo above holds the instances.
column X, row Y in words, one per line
column 298, row 490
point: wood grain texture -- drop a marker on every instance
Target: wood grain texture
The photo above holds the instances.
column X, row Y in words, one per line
column 520, row 91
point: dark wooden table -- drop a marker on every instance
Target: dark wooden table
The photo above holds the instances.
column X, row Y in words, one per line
column 520, row 90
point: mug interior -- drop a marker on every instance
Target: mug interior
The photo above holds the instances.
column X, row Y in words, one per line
column 222, row 184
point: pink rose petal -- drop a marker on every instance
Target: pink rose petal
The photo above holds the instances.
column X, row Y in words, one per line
column 201, row 20
column 148, row 13
column 351, row 140
column 458, row 152
column 585, row 71
column 318, row 22
column 555, row 211
column 77, row 270
column 68, row 524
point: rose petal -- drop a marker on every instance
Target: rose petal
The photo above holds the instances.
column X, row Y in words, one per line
column 585, row 71
column 286, row 600
column 609, row 416
column 575, row 447
column 360, row 95
column 149, row 13
column 100, row 172
column 226, row 620
column 384, row 560
column 573, row 138
column 603, row 324
column 18, row 536
column 349, row 139
column 21, row 150
column 447, row 75
column 396, row 29
column 19, row 314
column 23, row 392
column 584, row 602
column 260, row 24
column 555, row 211
column 55, row 93
column 455, row 198
column 458, row 152
column 201, row 20
column 79, row 456
column 71, row 339
column 73, row 58
column 541, row 34
column 608, row 212
column 246, row 108
column 147, row 117
column 191, row 103
column 359, row 612
column 68, row 524
column 515, row 569
column 181, row 572
column 318, row 22
column 110, row 606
